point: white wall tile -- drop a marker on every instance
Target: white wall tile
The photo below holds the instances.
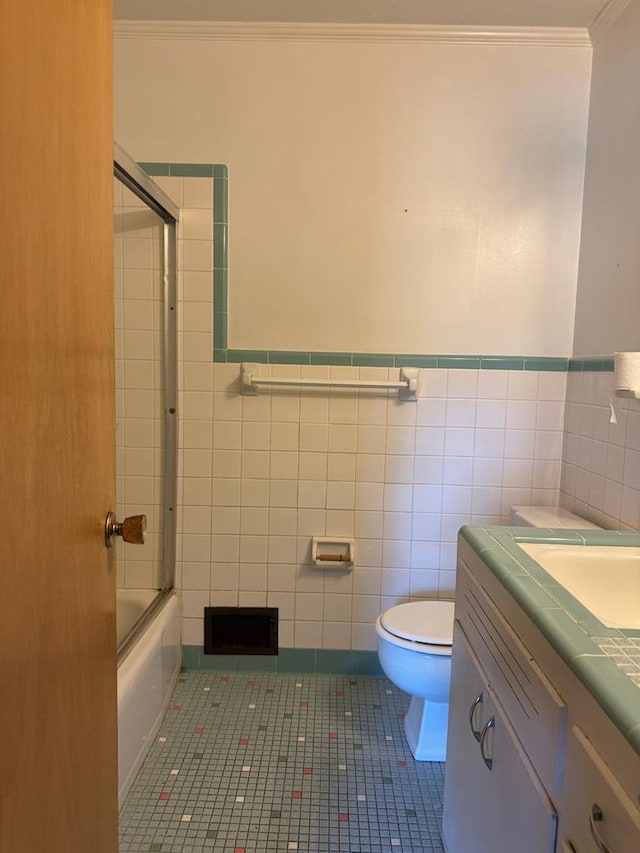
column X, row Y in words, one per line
column 283, row 493
column 193, row 632
column 224, row 576
column 253, row 577
column 522, row 385
column 341, row 466
column 342, row 438
column 340, row 522
column 284, row 465
column 368, row 496
column 308, row 635
column 368, row 524
column 492, row 384
column 370, row 467
column 255, row 464
column 254, row 521
column 340, row 495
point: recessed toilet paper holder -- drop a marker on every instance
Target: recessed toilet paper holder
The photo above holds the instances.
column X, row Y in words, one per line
column 332, row 552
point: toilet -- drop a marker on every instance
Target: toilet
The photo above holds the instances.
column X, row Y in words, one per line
column 414, row 649
column 415, row 642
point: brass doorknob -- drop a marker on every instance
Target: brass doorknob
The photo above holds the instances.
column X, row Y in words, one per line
column 133, row 529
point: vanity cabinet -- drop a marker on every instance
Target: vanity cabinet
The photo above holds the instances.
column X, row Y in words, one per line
column 534, row 764
column 493, row 797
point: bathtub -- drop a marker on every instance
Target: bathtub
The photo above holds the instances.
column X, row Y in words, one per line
column 147, row 673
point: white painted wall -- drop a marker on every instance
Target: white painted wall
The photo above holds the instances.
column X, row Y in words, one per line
column 384, row 197
column 608, row 302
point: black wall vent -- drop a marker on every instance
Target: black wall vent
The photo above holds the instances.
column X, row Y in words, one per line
column 241, row 630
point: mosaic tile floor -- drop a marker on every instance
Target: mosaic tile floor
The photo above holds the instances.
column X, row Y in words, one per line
column 271, row 762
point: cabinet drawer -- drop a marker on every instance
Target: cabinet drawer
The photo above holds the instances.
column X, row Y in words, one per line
column 591, row 789
column 536, row 710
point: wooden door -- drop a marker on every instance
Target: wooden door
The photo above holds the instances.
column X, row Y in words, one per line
column 58, row 757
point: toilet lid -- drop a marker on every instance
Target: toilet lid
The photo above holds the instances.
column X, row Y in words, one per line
column 421, row 621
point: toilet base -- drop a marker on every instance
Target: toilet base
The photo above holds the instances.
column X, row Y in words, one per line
column 425, row 726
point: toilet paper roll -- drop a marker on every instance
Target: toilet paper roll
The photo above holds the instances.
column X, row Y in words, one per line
column 626, row 374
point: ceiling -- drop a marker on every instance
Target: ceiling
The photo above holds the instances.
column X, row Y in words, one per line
column 488, row 13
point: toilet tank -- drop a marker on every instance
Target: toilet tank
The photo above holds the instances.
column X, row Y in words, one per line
column 549, row 516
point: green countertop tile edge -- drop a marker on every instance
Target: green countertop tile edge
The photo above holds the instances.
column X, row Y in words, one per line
column 562, row 619
column 303, row 661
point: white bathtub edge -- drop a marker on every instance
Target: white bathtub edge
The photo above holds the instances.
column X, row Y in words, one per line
column 146, row 679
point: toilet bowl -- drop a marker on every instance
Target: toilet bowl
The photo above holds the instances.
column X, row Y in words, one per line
column 414, row 649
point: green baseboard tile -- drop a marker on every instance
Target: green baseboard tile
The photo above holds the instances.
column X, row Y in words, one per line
column 191, row 657
column 297, row 660
column 367, row 663
column 303, row 661
column 218, row 663
column 330, row 661
column 257, row 663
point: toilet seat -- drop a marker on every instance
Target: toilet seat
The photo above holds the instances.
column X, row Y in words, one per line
column 421, row 622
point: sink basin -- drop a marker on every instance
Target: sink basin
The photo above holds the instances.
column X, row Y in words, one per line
column 604, row 578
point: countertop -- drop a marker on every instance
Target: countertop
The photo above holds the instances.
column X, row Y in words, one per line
column 603, row 658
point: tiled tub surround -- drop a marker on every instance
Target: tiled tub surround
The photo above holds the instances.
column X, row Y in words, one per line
column 601, row 460
column 251, row 763
column 573, row 631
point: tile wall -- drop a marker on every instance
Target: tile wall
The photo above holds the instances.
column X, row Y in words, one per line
column 399, row 477
column 601, row 460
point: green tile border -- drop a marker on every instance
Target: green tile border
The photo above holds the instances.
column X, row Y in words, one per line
column 594, row 364
column 222, row 354
column 309, row 661
column 358, row 359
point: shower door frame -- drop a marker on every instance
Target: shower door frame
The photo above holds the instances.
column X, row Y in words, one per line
column 129, row 173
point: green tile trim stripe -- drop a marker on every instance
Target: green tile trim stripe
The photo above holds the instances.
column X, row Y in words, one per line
column 325, row 661
column 219, row 173
column 597, row 364
column 357, row 359
column 185, row 170
column 220, row 258
column 221, row 354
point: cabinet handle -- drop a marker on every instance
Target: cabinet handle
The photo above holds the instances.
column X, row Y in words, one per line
column 489, row 761
column 472, row 710
column 595, row 817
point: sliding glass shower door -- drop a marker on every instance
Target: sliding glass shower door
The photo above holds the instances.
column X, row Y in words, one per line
column 145, row 273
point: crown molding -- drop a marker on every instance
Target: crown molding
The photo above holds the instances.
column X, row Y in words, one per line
column 367, row 33
column 605, row 18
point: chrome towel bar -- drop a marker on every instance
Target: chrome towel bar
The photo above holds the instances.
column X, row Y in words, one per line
column 407, row 386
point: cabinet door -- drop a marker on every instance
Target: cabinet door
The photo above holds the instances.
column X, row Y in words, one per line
column 595, row 804
column 494, row 801
column 465, row 811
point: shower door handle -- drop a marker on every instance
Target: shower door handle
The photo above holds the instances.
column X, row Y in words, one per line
column 133, row 529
